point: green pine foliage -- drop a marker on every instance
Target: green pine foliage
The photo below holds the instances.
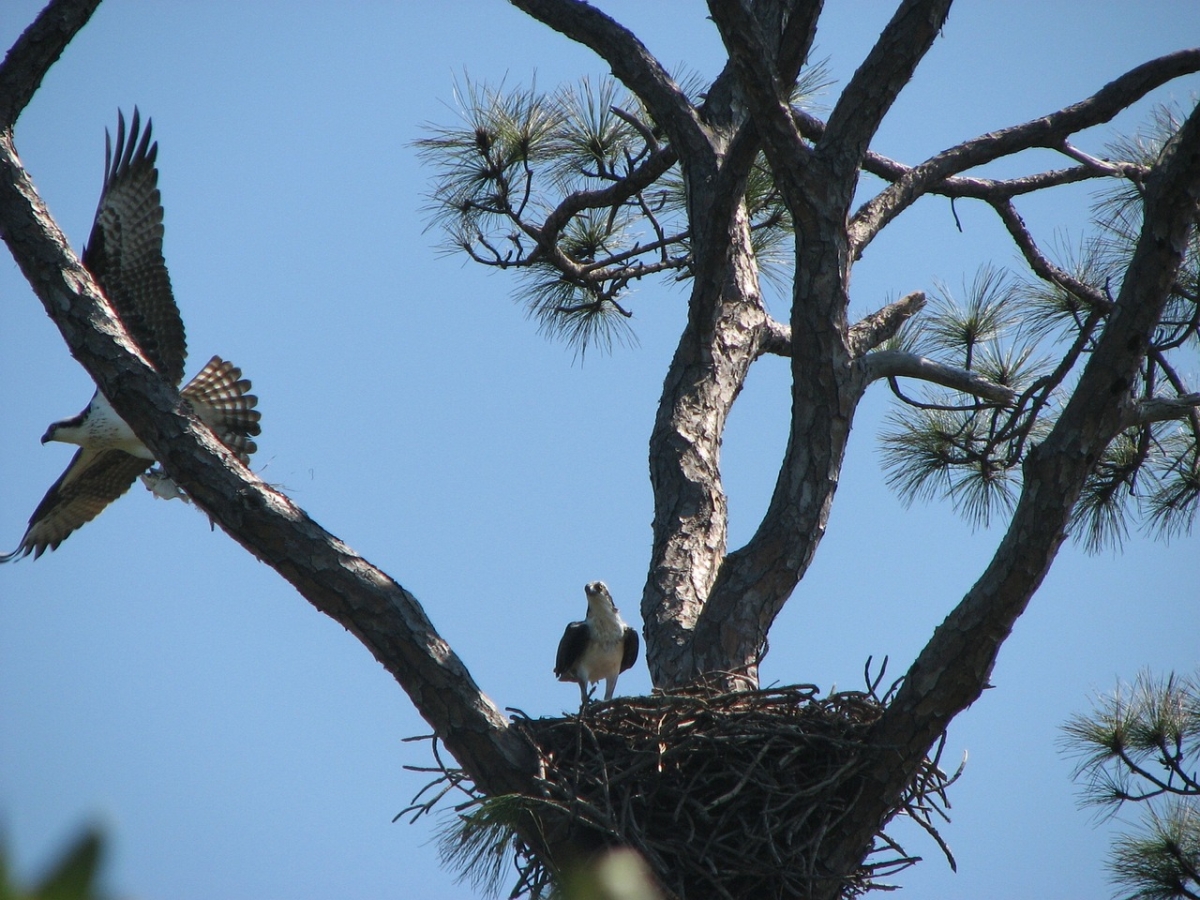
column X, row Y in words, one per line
column 1141, row 744
column 579, row 192
column 1162, row 860
column 1031, row 333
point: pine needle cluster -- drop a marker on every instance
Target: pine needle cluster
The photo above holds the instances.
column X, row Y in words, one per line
column 1141, row 744
column 1032, row 334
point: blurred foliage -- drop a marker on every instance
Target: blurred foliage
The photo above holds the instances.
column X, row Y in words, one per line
column 617, row 875
column 479, row 842
column 73, row 876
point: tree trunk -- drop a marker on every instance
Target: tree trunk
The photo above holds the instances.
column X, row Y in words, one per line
column 722, row 338
column 757, row 580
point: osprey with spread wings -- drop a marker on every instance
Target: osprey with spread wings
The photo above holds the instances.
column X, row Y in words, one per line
column 124, row 256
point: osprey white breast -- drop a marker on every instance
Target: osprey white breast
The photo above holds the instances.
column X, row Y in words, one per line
column 599, row 648
column 99, row 428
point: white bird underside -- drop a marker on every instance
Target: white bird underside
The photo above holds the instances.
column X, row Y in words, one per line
column 599, row 648
column 111, row 457
column 100, row 429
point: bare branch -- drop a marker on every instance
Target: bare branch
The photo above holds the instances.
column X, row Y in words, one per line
column 1101, row 166
column 767, row 99
column 638, row 180
column 892, row 171
column 35, row 52
column 776, row 339
column 1193, row 415
column 874, row 87
column 1046, row 131
column 644, row 131
column 613, row 271
column 797, row 37
column 992, row 189
column 897, row 363
column 1161, row 409
column 608, row 267
column 1041, row 266
column 865, row 335
column 787, row 29
column 881, row 325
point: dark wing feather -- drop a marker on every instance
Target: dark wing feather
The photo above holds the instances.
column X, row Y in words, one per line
column 124, row 251
column 90, row 483
column 631, row 649
column 570, row 648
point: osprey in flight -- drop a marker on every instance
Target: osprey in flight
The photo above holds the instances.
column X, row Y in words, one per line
column 599, row 648
column 124, row 256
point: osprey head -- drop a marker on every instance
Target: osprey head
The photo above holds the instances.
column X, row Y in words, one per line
column 67, row 431
column 597, row 593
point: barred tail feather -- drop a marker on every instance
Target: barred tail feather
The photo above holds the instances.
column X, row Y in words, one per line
column 222, row 400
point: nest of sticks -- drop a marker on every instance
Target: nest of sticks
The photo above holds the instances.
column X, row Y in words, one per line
column 724, row 794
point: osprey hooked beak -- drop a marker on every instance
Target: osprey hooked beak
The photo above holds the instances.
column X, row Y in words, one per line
column 598, row 590
column 52, row 432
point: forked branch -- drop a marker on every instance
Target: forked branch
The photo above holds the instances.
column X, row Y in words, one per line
column 953, row 669
column 1051, row 131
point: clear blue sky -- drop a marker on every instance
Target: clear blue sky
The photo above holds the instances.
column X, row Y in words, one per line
column 235, row 743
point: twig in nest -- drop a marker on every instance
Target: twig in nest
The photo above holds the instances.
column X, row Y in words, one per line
column 723, row 794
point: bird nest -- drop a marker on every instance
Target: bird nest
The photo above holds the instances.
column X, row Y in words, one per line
column 724, row 794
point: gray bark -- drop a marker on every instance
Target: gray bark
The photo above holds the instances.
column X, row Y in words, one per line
column 724, row 332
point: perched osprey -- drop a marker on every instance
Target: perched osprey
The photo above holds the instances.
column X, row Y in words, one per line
column 124, row 255
column 599, row 648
